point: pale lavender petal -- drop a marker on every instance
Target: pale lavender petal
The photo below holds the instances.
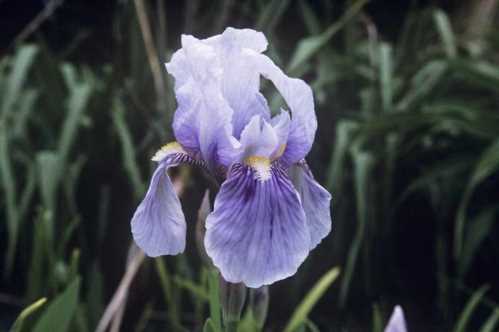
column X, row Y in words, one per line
column 315, row 200
column 257, row 233
column 281, row 123
column 158, row 225
column 397, row 321
column 258, row 138
column 299, row 98
column 202, row 119
column 240, row 77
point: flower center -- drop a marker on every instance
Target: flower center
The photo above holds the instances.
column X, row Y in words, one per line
column 261, row 166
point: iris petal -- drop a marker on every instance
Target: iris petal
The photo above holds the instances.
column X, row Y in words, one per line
column 299, row 98
column 257, row 233
column 397, row 321
column 158, row 225
column 202, row 119
column 315, row 201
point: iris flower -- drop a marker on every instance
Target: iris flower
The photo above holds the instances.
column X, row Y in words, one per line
column 269, row 212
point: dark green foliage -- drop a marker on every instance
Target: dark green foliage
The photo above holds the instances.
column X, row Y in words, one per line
column 408, row 144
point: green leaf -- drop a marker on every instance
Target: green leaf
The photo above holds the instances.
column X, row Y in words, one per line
column 491, row 322
column 8, row 182
column 363, row 164
column 76, row 104
column 127, row 148
column 468, row 310
column 445, row 31
column 209, row 326
column 309, row 46
column 487, row 165
column 58, row 315
column 18, row 324
column 22, row 62
column 49, row 172
column 377, row 319
column 478, row 230
column 271, row 15
column 309, row 18
column 301, row 313
column 215, row 309
column 385, row 75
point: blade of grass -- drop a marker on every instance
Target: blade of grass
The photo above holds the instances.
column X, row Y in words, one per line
column 445, row 31
column 22, row 62
column 32, row 308
column 127, row 148
column 215, row 309
column 491, row 322
column 468, row 310
column 385, row 76
column 59, row 313
column 363, row 163
column 8, row 181
column 309, row 46
column 486, row 166
column 301, row 313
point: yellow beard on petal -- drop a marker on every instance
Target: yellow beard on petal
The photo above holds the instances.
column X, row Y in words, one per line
column 261, row 166
column 167, row 149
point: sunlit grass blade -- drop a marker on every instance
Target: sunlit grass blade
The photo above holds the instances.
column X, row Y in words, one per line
column 314, row 295
column 60, row 311
column 21, row 64
column 386, row 76
column 445, row 31
column 491, row 322
column 19, row 322
column 465, row 316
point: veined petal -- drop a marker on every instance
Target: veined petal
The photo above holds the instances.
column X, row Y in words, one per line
column 315, row 201
column 397, row 321
column 240, row 79
column 299, row 98
column 258, row 138
column 257, row 233
column 202, row 119
column 158, row 225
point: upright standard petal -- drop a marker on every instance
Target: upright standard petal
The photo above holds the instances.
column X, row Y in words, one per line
column 299, row 98
column 202, row 119
column 257, row 233
column 397, row 321
column 158, row 225
column 315, row 201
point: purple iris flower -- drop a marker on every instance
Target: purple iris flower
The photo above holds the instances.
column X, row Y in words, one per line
column 269, row 212
column 397, row 321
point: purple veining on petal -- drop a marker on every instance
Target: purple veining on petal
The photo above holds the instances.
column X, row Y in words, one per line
column 315, row 201
column 158, row 225
column 257, row 233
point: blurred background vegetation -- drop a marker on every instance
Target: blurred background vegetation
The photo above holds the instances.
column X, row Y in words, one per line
column 407, row 96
